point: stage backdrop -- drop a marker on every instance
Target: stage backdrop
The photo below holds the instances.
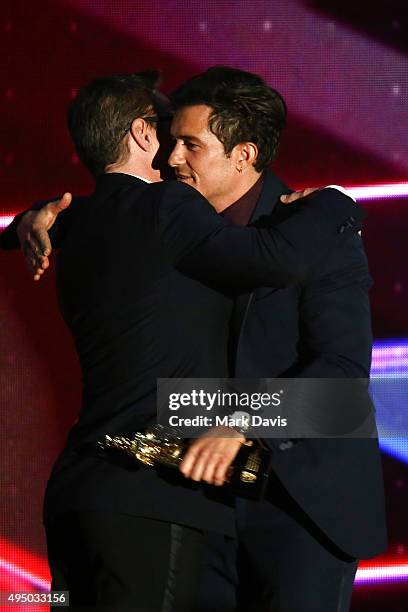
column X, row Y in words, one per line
column 343, row 70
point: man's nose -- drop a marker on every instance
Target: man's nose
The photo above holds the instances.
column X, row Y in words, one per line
column 176, row 156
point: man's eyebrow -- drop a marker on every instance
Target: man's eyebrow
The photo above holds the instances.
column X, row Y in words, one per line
column 187, row 137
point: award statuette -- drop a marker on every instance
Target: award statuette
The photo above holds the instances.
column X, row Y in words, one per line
column 162, row 445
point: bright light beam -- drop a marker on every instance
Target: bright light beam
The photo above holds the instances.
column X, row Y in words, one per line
column 24, row 575
column 5, row 220
column 365, row 575
column 381, row 573
column 377, row 192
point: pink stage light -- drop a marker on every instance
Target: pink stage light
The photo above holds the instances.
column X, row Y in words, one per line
column 376, row 192
column 22, row 569
column 24, row 576
column 5, row 220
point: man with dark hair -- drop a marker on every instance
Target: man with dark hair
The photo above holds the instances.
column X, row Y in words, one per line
column 324, row 506
column 99, row 137
column 127, row 537
column 243, row 109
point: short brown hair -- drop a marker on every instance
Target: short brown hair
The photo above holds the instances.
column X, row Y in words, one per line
column 103, row 111
column 244, row 109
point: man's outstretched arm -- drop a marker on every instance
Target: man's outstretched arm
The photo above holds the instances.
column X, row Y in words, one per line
column 36, row 230
column 284, row 250
column 238, row 257
column 31, row 229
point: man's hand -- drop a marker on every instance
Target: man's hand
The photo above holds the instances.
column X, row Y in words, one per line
column 297, row 195
column 210, row 456
column 32, row 232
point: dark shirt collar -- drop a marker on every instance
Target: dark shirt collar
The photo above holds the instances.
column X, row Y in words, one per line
column 241, row 211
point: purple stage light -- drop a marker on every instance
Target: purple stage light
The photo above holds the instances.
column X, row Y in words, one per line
column 381, row 573
column 390, row 355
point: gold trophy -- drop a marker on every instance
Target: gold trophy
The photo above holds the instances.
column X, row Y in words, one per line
column 162, row 445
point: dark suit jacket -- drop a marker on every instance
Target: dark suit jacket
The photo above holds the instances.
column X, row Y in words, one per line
column 318, row 328
column 127, row 284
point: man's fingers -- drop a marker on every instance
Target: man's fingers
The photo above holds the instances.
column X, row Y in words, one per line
column 310, row 190
column 42, row 220
column 221, row 472
column 36, row 264
column 187, row 464
column 196, row 460
column 210, row 468
column 33, row 253
column 66, row 199
column 58, row 206
column 40, row 241
column 34, row 245
column 33, row 236
column 210, row 457
column 297, row 195
column 198, row 469
column 42, row 265
column 38, row 274
column 203, row 459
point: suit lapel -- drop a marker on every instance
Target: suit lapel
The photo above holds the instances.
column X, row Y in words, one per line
column 272, row 189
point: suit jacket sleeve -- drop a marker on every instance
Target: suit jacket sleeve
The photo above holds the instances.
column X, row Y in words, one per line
column 335, row 315
column 283, row 251
column 335, row 330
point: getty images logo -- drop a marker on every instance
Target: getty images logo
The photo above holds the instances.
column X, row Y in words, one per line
column 221, row 399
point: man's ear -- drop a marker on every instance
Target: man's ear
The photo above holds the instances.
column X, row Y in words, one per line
column 247, row 154
column 140, row 131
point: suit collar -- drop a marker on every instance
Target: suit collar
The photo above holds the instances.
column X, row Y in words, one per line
column 272, row 189
column 113, row 180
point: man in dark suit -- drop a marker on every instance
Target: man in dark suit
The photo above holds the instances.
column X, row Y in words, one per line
column 129, row 536
column 324, row 509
